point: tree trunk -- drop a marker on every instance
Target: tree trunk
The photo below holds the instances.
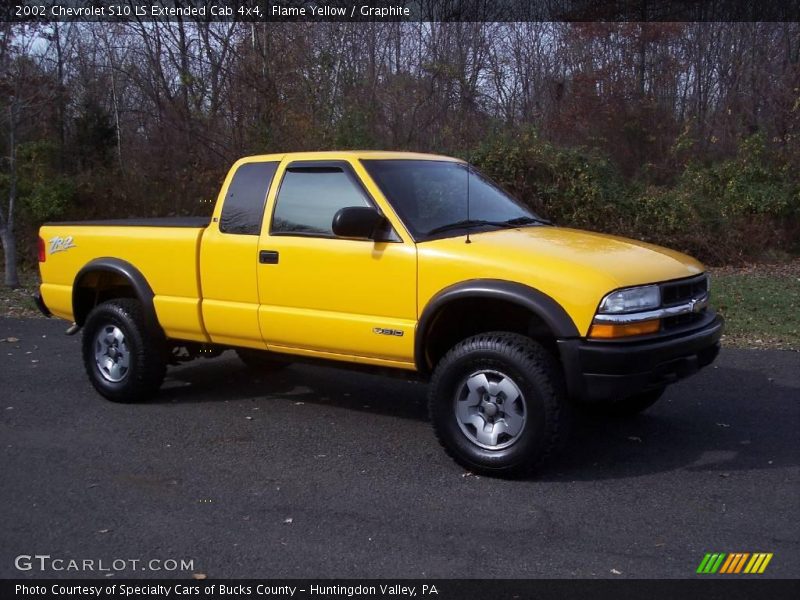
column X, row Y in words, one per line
column 115, row 104
column 61, row 96
column 7, row 220
column 10, row 255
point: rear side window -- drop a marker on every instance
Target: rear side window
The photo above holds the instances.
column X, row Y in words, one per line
column 309, row 198
column 243, row 209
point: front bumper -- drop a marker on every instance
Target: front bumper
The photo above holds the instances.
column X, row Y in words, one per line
column 609, row 370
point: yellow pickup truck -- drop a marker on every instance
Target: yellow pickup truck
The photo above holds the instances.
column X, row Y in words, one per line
column 401, row 262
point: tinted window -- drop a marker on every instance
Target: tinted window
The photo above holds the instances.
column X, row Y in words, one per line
column 428, row 194
column 244, row 205
column 309, row 197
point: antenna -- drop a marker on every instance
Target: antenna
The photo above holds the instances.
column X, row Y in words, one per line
column 468, row 241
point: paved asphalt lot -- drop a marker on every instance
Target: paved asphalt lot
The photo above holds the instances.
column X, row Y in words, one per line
column 317, row 472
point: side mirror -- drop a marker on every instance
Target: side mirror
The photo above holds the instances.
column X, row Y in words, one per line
column 360, row 222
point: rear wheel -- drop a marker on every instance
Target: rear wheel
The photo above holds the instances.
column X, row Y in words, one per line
column 124, row 362
column 260, row 360
column 497, row 404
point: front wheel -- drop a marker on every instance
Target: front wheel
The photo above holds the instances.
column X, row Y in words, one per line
column 123, row 362
column 497, row 404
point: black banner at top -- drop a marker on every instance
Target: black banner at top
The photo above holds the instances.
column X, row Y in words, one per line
column 401, row 10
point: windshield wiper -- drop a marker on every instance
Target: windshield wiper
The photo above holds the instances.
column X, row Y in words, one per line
column 526, row 221
column 470, row 223
column 465, row 224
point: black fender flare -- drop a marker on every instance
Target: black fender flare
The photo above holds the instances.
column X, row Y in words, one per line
column 142, row 290
column 539, row 303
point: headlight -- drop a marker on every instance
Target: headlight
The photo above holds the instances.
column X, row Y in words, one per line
column 636, row 299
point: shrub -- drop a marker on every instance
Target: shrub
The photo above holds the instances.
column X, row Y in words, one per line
column 571, row 185
column 44, row 194
column 722, row 212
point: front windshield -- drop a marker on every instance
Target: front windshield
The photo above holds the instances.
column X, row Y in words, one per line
column 430, row 195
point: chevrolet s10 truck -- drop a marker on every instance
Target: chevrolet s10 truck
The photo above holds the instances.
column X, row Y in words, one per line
column 399, row 262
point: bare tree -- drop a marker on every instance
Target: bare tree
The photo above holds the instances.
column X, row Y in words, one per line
column 23, row 90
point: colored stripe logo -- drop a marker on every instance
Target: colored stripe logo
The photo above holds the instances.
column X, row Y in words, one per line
column 733, row 563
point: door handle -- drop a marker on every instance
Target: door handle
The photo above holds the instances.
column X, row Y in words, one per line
column 268, row 257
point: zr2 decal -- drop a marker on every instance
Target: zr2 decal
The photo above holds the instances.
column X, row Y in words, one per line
column 59, row 244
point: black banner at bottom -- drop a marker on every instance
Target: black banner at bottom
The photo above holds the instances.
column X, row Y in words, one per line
column 718, row 588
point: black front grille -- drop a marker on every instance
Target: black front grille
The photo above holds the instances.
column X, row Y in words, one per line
column 675, row 293
column 681, row 292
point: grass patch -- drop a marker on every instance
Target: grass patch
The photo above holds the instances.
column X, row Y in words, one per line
column 761, row 305
column 19, row 302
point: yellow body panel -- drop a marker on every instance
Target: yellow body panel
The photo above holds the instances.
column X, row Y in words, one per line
column 329, row 295
column 338, row 298
column 228, row 271
column 180, row 317
column 58, row 298
column 575, row 268
column 166, row 256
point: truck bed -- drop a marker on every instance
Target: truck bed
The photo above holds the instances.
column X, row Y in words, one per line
column 164, row 250
column 188, row 222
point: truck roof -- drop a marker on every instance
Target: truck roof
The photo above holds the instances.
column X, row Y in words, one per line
column 359, row 154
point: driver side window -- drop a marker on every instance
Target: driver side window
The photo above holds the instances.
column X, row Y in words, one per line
column 309, row 197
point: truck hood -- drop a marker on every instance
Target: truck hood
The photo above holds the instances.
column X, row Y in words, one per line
column 624, row 262
column 628, row 262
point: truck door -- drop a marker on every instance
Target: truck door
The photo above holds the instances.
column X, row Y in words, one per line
column 229, row 256
column 327, row 296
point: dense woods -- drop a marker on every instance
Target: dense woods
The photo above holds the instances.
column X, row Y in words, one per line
column 680, row 133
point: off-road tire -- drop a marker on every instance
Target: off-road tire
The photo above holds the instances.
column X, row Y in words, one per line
column 146, row 351
column 536, row 375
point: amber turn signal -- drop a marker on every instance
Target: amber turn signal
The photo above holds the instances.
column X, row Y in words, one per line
column 608, row 331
